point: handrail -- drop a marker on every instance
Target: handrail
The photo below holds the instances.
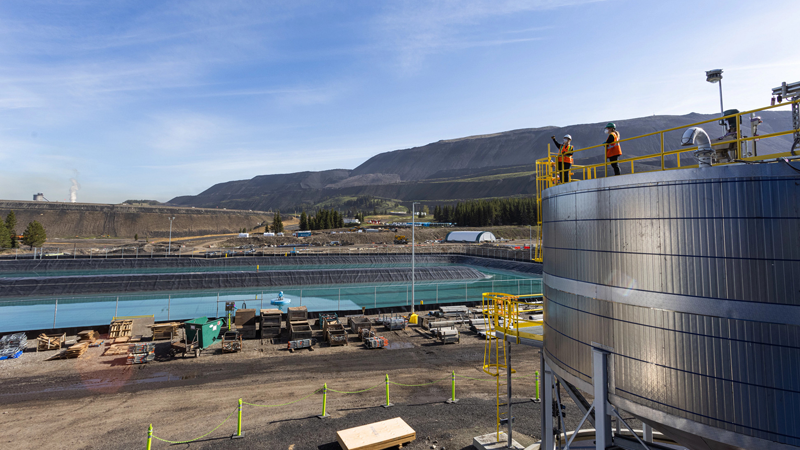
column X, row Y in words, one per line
column 547, row 175
column 716, row 119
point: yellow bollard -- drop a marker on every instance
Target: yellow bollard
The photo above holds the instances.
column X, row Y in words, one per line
column 150, row 437
column 324, row 402
column 239, row 434
column 387, row 393
column 536, row 398
column 453, row 398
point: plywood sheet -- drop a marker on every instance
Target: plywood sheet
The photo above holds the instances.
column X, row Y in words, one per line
column 376, row 436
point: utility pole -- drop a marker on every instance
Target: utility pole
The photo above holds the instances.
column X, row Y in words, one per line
column 169, row 247
column 413, row 252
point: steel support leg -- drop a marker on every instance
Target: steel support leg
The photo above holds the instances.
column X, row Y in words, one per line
column 508, row 381
column 602, row 421
column 647, row 433
column 548, row 442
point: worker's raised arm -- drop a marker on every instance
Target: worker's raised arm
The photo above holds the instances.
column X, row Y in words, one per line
column 558, row 145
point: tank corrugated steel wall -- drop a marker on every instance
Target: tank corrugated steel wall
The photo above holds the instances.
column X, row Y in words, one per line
column 692, row 277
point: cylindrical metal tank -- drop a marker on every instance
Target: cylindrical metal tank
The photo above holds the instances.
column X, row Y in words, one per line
column 692, row 279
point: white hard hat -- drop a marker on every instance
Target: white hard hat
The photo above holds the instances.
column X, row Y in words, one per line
column 566, row 136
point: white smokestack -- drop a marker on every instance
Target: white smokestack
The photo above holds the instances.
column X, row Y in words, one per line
column 73, row 190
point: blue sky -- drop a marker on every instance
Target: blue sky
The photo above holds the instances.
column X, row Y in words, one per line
column 154, row 99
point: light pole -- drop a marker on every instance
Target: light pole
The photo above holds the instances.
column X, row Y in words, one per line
column 169, row 247
column 413, row 251
column 715, row 76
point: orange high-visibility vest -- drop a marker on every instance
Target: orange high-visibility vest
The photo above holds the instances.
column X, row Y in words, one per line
column 613, row 149
column 565, row 155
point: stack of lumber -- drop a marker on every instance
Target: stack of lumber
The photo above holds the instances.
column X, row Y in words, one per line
column 52, row 342
column 376, row 436
column 120, row 328
column 164, row 331
column 88, row 336
column 116, row 349
column 77, row 350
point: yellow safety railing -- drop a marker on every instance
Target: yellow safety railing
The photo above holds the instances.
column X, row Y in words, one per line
column 506, row 312
column 547, row 174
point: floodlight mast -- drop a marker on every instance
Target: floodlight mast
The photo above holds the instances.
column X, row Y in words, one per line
column 715, row 76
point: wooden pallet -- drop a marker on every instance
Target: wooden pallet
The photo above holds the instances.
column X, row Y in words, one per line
column 120, row 328
column 376, row 436
column 52, row 342
column 77, row 350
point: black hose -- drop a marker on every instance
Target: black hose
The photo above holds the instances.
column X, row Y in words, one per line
column 786, row 161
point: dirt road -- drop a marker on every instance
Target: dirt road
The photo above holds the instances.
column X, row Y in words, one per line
column 98, row 402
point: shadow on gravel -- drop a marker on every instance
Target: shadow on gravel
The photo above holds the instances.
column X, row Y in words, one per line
column 331, row 446
column 296, row 419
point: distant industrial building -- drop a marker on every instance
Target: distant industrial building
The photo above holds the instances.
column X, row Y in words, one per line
column 39, row 197
column 349, row 221
column 470, row 236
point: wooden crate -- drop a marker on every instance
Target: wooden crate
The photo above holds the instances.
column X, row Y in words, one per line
column 357, row 323
column 376, row 436
column 296, row 314
column 51, row 342
column 299, row 330
column 270, row 323
column 164, row 331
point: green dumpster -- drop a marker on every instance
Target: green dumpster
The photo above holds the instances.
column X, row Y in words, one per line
column 206, row 331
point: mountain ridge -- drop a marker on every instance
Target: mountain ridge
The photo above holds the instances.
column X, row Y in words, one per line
column 437, row 171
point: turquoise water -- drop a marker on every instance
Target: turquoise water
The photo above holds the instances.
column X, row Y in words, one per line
column 45, row 313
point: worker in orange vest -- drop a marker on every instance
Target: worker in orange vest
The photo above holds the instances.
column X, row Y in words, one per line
column 564, row 157
column 613, row 150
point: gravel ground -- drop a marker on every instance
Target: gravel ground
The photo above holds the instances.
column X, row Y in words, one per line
column 98, row 402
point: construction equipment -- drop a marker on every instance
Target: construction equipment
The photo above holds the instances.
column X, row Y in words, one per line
column 366, row 333
column 141, row 353
column 231, row 341
column 376, row 342
column 399, row 239
column 301, row 343
column 395, row 323
column 448, row 335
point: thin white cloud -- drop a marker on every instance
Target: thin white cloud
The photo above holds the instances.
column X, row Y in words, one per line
column 414, row 30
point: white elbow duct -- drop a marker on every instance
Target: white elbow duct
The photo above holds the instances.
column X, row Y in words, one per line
column 697, row 136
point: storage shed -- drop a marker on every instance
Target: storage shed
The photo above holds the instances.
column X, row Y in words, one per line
column 470, row 236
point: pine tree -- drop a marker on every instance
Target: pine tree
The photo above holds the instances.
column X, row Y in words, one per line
column 5, row 236
column 11, row 222
column 277, row 223
column 303, row 221
column 136, row 236
column 11, row 226
column 34, row 235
